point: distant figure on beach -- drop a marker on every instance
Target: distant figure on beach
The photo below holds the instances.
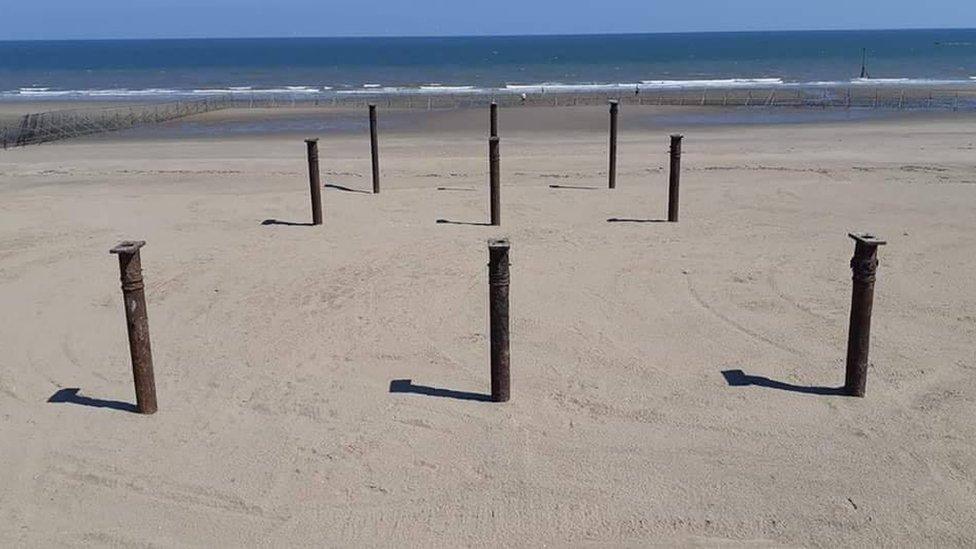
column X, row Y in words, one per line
column 524, row 97
column 636, row 90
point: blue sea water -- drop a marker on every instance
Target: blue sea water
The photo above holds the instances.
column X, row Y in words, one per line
column 325, row 66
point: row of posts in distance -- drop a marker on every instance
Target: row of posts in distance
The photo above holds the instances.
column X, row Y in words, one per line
column 494, row 166
column 863, row 265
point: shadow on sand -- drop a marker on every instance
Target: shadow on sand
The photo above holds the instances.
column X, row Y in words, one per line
column 345, row 189
column 407, row 386
column 474, row 223
column 738, row 378
column 627, row 220
column 575, row 187
column 71, row 396
column 287, row 223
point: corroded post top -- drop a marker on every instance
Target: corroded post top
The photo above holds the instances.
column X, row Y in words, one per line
column 867, row 238
column 497, row 243
column 312, row 140
column 127, row 247
column 613, row 104
column 677, row 137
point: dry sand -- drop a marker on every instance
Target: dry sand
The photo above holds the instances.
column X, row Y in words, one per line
column 275, row 345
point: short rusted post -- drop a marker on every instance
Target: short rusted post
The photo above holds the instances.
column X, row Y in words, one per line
column 493, row 119
column 674, row 179
column 137, row 322
column 315, row 187
column 374, row 148
column 614, row 106
column 864, row 265
column 494, row 180
column 498, row 283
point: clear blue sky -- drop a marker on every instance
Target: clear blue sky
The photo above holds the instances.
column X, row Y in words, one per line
column 52, row 19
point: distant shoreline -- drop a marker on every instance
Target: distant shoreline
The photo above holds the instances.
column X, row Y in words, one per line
column 645, row 87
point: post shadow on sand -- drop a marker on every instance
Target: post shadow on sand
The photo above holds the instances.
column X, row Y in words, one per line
column 345, row 189
column 454, row 189
column 71, row 396
column 738, row 378
column 475, row 223
column 407, row 386
column 575, row 187
column 287, row 223
column 630, row 220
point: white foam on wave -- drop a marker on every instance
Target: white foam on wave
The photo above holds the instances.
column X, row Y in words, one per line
column 117, row 92
column 558, row 87
column 247, row 90
column 908, row 81
column 422, row 90
column 438, row 88
column 42, row 92
column 370, row 91
column 713, row 83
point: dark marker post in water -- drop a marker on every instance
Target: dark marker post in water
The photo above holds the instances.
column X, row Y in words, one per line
column 315, row 188
column 374, row 149
column 613, row 144
column 864, row 266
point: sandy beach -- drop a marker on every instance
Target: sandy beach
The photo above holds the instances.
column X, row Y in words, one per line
column 672, row 383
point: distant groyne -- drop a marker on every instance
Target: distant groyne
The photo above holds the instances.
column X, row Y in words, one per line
column 43, row 127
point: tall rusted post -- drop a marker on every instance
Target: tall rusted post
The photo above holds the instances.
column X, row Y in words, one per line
column 864, row 265
column 374, row 148
column 315, row 187
column 674, row 179
column 137, row 322
column 493, row 119
column 613, row 144
column 494, row 180
column 498, row 283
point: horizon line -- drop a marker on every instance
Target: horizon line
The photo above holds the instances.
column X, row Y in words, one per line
column 437, row 36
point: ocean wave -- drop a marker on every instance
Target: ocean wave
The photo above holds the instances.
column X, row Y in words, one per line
column 370, row 90
column 247, row 90
column 908, row 81
column 422, row 90
column 46, row 92
column 558, row 87
column 713, row 83
column 438, row 88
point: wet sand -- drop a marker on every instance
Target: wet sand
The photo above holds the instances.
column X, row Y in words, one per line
column 276, row 345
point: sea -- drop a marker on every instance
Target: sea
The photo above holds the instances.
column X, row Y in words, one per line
column 326, row 67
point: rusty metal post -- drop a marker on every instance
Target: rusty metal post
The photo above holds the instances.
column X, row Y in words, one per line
column 494, row 179
column 864, row 265
column 374, row 148
column 493, row 119
column 498, row 284
column 137, row 322
column 614, row 106
column 315, row 187
column 674, row 179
